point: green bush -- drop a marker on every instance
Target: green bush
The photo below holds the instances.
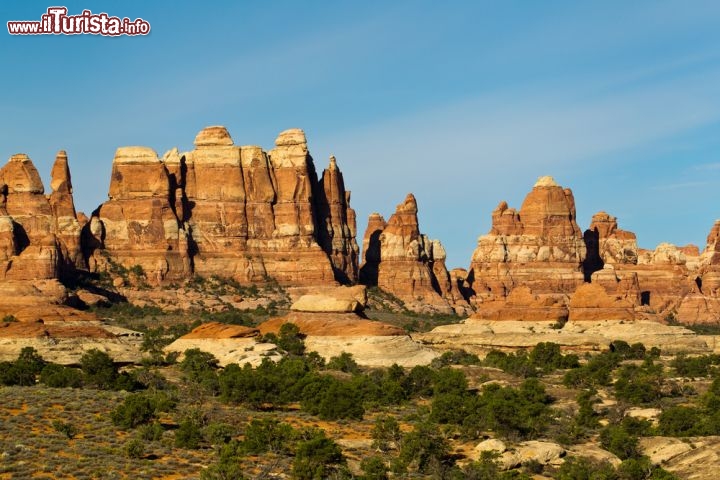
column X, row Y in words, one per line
column 290, row 339
column 700, row 366
column 373, row 468
column 267, row 435
column 639, row 384
column 581, row 468
column 152, row 432
column 135, row 410
column 134, row 448
column 99, row 369
column 66, row 428
column 455, row 357
column 58, row 376
column 385, row 433
column 596, row 372
column 317, row 457
column 189, row 433
column 616, row 439
column 344, row 362
column 228, row 465
column 423, row 449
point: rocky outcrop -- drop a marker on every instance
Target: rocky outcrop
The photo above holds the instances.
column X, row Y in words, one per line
column 481, row 336
column 338, row 224
column 591, row 302
column 522, row 304
column 607, row 244
column 339, row 299
column 371, row 249
column 409, row 265
column 540, row 247
column 331, row 333
column 67, row 226
column 39, row 235
column 228, row 343
column 138, row 225
column 228, row 211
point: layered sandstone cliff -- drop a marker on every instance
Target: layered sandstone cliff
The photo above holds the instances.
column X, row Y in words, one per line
column 228, row 211
column 539, row 247
column 39, row 234
column 402, row 261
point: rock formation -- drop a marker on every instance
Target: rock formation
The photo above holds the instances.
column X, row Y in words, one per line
column 607, row 244
column 409, row 265
column 338, row 224
column 333, row 323
column 39, row 235
column 138, row 226
column 591, row 302
column 228, row 211
column 540, row 246
column 228, row 343
column 67, row 226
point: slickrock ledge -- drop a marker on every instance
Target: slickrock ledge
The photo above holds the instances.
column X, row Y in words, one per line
column 480, row 336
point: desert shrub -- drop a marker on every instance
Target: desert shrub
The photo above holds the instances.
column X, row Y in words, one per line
column 616, row 439
column 681, row 421
column 228, row 465
column 66, row 428
column 135, row 410
column 625, row 351
column 581, row 468
column 423, row 449
column 419, row 382
column 218, row 433
column 267, row 435
column 13, row 374
column 595, row 373
column 197, row 362
column 586, row 416
column 290, row 339
column 134, row 448
column 544, row 357
column 385, row 433
column 189, row 433
column 344, row 362
column 332, row 399
column 99, row 369
column 521, row 412
column 516, row 363
column 151, row 432
column 317, row 457
column 700, row 366
column 455, row 357
column 547, row 357
column 374, row 468
column 58, row 376
column 639, row 384
column 30, row 360
column 199, row 367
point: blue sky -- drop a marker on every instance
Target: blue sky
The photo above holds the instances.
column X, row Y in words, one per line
column 464, row 104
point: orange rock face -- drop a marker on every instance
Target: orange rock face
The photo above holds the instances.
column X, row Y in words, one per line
column 39, row 235
column 522, row 304
column 591, row 302
column 331, row 324
column 408, row 264
column 229, row 211
column 540, row 246
column 221, row 330
column 138, row 224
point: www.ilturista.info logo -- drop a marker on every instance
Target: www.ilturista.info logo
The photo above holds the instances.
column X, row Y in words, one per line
column 57, row 22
